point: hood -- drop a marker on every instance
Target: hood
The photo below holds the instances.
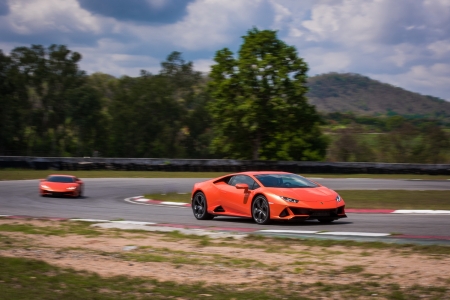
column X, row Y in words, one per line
column 59, row 186
column 320, row 193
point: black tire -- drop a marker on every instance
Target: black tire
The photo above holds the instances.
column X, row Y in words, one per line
column 200, row 207
column 325, row 220
column 261, row 210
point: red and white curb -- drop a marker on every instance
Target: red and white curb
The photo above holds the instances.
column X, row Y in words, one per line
column 342, row 233
column 224, row 232
column 398, row 211
column 145, row 201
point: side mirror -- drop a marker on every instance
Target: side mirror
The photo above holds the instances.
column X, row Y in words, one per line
column 243, row 186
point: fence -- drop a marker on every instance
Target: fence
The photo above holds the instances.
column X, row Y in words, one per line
column 216, row 165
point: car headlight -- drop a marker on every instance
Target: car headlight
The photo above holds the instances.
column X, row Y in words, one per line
column 71, row 188
column 338, row 198
column 44, row 186
column 287, row 199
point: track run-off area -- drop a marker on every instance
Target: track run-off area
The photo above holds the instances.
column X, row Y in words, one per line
column 112, row 199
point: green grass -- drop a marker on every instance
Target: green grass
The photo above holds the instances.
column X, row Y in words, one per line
column 396, row 199
column 172, row 197
column 27, row 278
column 431, row 250
column 20, row 174
column 64, row 229
column 23, row 279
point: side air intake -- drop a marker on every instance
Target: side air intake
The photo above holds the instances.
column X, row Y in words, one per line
column 219, row 209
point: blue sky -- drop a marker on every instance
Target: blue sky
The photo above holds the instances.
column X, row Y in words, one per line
column 402, row 42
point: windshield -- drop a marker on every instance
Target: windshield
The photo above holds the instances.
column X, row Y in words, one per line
column 285, row 181
column 60, row 179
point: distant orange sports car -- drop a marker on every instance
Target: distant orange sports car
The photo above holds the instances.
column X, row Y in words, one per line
column 61, row 185
column 266, row 196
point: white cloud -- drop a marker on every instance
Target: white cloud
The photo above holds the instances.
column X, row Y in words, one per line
column 30, row 16
column 321, row 61
column 213, row 23
column 203, row 65
column 429, row 80
column 404, row 42
column 110, row 57
column 441, row 49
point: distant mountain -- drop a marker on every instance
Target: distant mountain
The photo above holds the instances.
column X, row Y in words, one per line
column 335, row 92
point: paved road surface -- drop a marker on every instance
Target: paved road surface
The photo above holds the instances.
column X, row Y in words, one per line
column 104, row 199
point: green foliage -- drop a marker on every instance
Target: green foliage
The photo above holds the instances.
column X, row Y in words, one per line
column 395, row 139
column 259, row 109
column 44, row 95
column 250, row 107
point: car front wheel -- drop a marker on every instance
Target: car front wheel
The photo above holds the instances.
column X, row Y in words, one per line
column 200, row 207
column 261, row 210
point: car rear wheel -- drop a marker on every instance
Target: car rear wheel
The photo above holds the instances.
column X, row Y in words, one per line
column 325, row 220
column 200, row 207
column 261, row 210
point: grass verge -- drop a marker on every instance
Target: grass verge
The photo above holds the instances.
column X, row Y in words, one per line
column 396, row 199
column 21, row 277
column 327, row 261
column 18, row 174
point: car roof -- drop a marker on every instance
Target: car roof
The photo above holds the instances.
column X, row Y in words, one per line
column 61, row 175
column 260, row 172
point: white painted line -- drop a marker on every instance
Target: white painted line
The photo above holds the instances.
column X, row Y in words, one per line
column 173, row 203
column 357, row 178
column 89, row 220
column 5, row 215
column 354, row 233
column 133, row 222
column 141, row 200
column 423, row 211
column 288, row 231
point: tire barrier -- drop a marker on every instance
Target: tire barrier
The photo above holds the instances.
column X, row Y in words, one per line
column 216, row 165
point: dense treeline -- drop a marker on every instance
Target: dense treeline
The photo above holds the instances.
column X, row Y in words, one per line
column 49, row 107
column 254, row 110
column 392, row 139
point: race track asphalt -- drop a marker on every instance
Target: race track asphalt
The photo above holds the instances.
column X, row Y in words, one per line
column 104, row 199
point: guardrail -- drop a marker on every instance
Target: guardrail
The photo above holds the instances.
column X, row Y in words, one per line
column 217, row 165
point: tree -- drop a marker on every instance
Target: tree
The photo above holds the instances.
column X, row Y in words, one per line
column 259, row 108
column 14, row 108
column 50, row 75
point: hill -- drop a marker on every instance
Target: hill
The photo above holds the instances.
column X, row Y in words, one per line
column 335, row 92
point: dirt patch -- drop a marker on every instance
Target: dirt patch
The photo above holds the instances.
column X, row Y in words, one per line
column 228, row 261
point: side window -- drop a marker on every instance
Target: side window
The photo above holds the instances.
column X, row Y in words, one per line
column 245, row 179
column 232, row 181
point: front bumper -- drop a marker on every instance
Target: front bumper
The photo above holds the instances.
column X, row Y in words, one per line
column 67, row 193
column 289, row 213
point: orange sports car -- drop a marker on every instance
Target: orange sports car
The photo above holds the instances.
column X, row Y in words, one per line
column 61, row 185
column 266, row 196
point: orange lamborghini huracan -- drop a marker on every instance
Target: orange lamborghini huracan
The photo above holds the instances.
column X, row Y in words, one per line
column 61, row 185
column 266, row 196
